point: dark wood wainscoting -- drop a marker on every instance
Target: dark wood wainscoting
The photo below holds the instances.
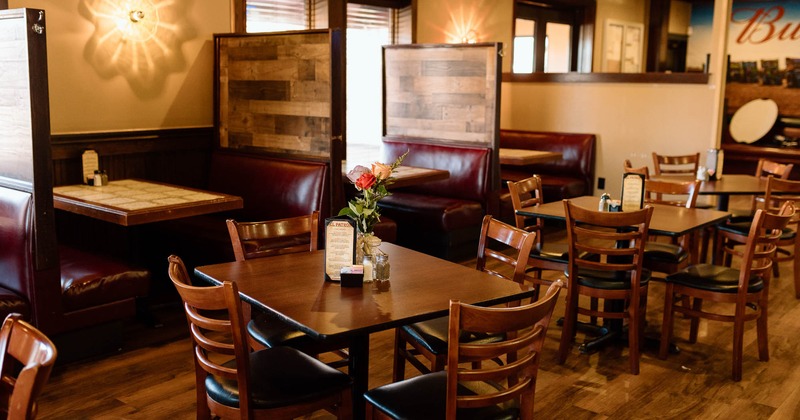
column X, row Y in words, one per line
column 178, row 156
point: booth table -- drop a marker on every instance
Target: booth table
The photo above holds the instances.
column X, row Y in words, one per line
column 131, row 202
column 522, row 157
column 292, row 287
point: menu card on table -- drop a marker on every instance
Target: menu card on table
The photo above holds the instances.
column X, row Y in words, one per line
column 632, row 192
column 340, row 246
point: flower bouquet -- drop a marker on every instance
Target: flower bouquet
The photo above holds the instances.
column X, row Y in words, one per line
column 371, row 182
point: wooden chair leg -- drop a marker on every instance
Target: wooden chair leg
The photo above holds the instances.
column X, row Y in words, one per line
column 568, row 330
column 697, row 305
column 796, row 264
column 738, row 343
column 634, row 330
column 666, row 324
column 762, row 330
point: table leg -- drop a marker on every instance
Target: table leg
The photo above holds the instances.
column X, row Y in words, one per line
column 722, row 202
column 359, row 371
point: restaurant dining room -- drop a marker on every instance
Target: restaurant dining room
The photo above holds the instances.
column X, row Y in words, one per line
column 399, row 209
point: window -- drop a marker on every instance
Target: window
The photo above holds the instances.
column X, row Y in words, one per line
column 369, row 27
column 546, row 36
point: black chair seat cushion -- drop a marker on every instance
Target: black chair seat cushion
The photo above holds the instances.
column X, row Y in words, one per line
column 664, row 253
column 88, row 279
column 423, row 397
column 610, row 280
column 433, row 335
column 743, row 228
column 271, row 332
column 713, row 278
column 279, row 377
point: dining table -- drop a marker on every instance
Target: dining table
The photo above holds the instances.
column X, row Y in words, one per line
column 672, row 221
column 724, row 187
column 522, row 157
column 130, row 202
column 406, row 176
column 292, row 288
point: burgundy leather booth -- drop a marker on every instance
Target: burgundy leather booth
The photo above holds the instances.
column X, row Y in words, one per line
column 271, row 188
column 84, row 290
column 570, row 176
column 441, row 218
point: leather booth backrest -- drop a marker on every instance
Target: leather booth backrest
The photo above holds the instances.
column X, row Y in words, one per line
column 469, row 167
column 16, row 248
column 577, row 151
column 271, row 188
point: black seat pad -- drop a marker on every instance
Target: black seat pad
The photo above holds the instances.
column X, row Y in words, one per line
column 714, row 278
column 663, row 252
column 610, row 280
column 423, row 397
column 433, row 335
column 743, row 228
column 271, row 332
column 280, row 376
column 558, row 252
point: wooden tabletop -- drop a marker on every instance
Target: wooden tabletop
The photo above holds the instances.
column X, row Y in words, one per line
column 521, row 157
column 293, row 288
column 405, row 176
column 727, row 185
column 131, row 202
column 667, row 220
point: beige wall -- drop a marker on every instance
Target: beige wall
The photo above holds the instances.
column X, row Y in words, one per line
column 630, row 120
column 84, row 100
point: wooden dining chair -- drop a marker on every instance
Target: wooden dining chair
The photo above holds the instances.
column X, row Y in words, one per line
column 544, row 256
column 673, row 256
column 676, row 165
column 764, row 169
column 26, row 360
column 276, row 237
column 627, row 168
column 476, row 390
column 232, row 382
column 747, row 288
column 614, row 273
column 734, row 234
column 429, row 339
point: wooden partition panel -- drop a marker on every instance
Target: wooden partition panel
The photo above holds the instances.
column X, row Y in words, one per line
column 25, row 162
column 279, row 94
column 444, row 93
column 449, row 92
column 274, row 92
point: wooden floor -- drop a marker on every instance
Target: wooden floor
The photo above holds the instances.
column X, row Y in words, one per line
column 152, row 376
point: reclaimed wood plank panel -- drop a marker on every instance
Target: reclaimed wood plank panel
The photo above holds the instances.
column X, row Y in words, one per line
column 442, row 92
column 275, row 92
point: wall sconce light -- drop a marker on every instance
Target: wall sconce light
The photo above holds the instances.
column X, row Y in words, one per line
column 465, row 21
column 136, row 15
column 138, row 39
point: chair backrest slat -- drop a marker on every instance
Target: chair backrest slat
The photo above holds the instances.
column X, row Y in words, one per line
column 524, row 328
column 274, row 237
column 676, row 165
column 494, row 233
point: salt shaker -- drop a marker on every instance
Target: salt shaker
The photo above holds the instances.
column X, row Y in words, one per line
column 604, row 199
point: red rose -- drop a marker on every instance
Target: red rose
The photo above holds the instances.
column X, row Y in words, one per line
column 365, row 181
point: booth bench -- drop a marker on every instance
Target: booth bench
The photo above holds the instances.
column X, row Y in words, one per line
column 441, row 218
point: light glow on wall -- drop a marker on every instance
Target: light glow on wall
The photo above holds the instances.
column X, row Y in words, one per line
column 137, row 39
column 465, row 23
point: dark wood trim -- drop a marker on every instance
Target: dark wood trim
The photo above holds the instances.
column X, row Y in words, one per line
column 239, row 16
column 658, row 27
column 69, row 146
column 677, row 78
column 3, row 4
column 394, row 4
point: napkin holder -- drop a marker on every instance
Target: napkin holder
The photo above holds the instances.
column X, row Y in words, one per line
column 352, row 276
